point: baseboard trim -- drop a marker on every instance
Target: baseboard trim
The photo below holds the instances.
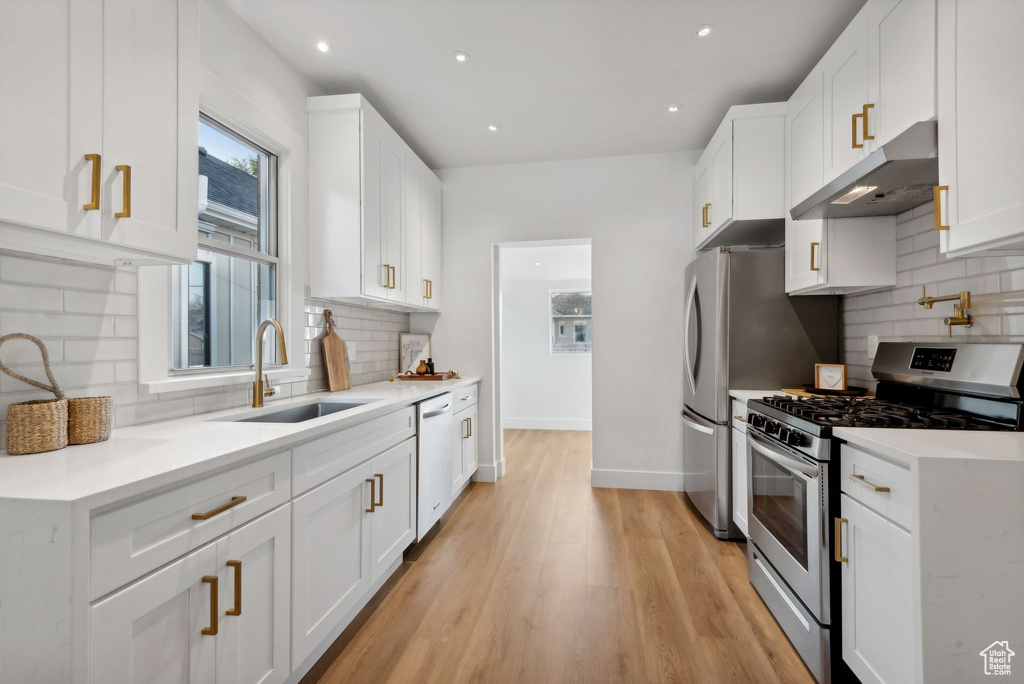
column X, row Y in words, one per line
column 547, row 424
column 485, row 473
column 636, row 479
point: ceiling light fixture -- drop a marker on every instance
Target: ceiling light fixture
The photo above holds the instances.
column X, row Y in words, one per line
column 493, row 128
column 705, row 30
column 461, row 57
column 323, row 47
column 536, row 263
column 674, row 108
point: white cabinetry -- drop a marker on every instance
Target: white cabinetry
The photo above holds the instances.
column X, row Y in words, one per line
column 981, row 141
column 739, row 189
column 374, row 210
column 845, row 78
column 393, row 519
column 100, row 156
column 739, row 465
column 464, row 455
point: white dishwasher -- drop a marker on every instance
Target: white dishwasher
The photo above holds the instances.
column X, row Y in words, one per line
column 434, row 487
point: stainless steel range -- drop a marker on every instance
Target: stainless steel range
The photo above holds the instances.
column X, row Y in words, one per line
column 792, row 465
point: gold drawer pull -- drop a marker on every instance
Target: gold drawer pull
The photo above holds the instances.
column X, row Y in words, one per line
column 865, row 114
column 126, row 200
column 937, row 198
column 856, row 145
column 840, row 558
column 94, row 200
column 235, row 500
column 381, row 488
column 394, row 280
column 470, row 426
column 373, row 502
column 813, row 245
column 212, row 629
column 237, row 610
column 740, row 418
column 859, row 479
column 387, row 276
column 465, row 428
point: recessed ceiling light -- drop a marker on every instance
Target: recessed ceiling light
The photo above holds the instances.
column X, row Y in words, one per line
column 461, row 57
column 493, row 128
column 323, row 47
column 536, row 263
column 674, row 108
column 705, row 30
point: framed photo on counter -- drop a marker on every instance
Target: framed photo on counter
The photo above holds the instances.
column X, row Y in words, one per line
column 412, row 348
column 830, row 376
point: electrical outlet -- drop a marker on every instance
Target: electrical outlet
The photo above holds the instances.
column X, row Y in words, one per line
column 872, row 346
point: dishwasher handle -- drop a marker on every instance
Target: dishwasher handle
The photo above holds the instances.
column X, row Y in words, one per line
column 437, row 412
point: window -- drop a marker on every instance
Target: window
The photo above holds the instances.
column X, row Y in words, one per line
column 571, row 325
column 220, row 299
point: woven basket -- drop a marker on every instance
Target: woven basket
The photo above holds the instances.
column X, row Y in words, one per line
column 89, row 419
column 40, row 425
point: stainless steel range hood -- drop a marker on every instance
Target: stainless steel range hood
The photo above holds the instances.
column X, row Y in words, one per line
column 896, row 177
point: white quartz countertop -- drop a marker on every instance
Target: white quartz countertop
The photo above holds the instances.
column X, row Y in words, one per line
column 747, row 395
column 140, row 458
column 906, row 446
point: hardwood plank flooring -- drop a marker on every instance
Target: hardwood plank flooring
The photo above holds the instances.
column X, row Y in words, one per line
column 541, row 578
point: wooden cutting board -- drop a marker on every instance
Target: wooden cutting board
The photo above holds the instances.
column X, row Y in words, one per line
column 335, row 358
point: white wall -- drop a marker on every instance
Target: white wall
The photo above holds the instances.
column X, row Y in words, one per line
column 637, row 210
column 541, row 390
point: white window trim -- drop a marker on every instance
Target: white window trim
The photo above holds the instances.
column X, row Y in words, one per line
column 235, row 111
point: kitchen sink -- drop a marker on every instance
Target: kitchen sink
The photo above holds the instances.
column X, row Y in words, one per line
column 304, row 412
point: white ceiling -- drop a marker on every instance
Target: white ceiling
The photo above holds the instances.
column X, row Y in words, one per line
column 565, row 79
column 545, row 262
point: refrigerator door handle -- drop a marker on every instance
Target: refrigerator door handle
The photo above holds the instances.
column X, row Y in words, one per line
column 697, row 426
column 691, row 301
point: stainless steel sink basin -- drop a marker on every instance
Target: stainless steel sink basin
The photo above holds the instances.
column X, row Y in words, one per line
column 304, row 412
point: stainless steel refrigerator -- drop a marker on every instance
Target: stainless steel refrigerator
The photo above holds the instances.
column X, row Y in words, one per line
column 741, row 331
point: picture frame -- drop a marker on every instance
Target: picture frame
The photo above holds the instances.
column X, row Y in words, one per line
column 412, row 348
column 830, row 376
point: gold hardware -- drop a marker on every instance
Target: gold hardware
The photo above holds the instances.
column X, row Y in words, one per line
column 380, row 493
column 470, row 426
column 740, row 418
column 426, row 289
column 212, row 629
column 259, row 391
column 373, row 503
column 865, row 112
column 126, row 200
column 859, row 479
column 465, row 428
column 704, row 222
column 937, row 197
column 960, row 314
column 840, row 558
column 813, row 245
column 394, row 278
column 387, row 277
column 235, row 500
column 94, row 201
column 237, row 610
column 430, row 289
column 855, row 144
column 709, row 214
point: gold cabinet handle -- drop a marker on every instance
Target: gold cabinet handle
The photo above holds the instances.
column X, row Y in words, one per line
column 709, row 214
column 937, row 198
column 235, row 500
column 373, row 502
column 813, row 245
column 212, row 629
column 840, row 558
column 387, row 276
column 704, row 216
column 126, row 200
column 394, row 280
column 859, row 479
column 237, row 610
column 856, row 145
column 470, row 426
column 864, row 112
column 430, row 287
column 94, row 197
column 380, row 493
column 465, row 428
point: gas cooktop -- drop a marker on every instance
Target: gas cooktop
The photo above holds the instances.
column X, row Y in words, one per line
column 852, row 412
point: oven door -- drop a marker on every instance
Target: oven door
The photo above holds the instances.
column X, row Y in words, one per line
column 785, row 517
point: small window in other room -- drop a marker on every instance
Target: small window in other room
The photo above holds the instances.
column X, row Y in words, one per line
column 571, row 325
column 220, row 299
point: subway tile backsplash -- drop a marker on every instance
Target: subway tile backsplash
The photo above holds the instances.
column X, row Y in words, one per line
column 997, row 297
column 87, row 317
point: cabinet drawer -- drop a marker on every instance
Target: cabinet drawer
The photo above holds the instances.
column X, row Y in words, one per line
column 318, row 461
column 130, row 541
column 862, row 474
column 465, row 397
column 739, row 415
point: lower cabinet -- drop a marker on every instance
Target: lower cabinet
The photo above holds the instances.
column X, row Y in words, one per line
column 739, row 479
column 393, row 522
column 878, row 641
column 196, row 619
column 464, row 455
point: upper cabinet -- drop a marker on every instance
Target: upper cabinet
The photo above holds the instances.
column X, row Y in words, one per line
column 981, row 141
column 102, row 166
column 375, row 210
column 739, row 189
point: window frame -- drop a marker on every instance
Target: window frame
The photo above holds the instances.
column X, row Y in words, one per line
column 553, row 326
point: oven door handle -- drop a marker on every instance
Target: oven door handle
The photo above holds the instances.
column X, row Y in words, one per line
column 781, row 459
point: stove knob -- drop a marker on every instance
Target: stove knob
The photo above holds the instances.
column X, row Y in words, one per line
column 771, row 427
column 783, row 435
column 794, row 438
column 757, row 421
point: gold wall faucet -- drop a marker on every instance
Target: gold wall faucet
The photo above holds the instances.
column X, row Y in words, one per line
column 960, row 314
column 259, row 389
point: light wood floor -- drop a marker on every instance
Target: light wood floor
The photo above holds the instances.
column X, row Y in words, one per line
column 541, row 578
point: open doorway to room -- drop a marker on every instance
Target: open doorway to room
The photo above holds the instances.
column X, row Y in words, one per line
column 545, row 304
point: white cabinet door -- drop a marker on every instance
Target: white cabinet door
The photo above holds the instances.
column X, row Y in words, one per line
column 981, row 141
column 153, row 631
column 469, row 449
column 431, row 227
column 901, row 66
column 416, row 283
column 394, row 222
column 720, row 202
column 254, row 567
column 330, row 556
column 701, row 198
column 150, row 125
column 393, row 521
column 462, row 427
column 739, row 480
column 376, row 270
column 53, row 56
column 878, row 642
column 845, row 78
column 804, row 174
